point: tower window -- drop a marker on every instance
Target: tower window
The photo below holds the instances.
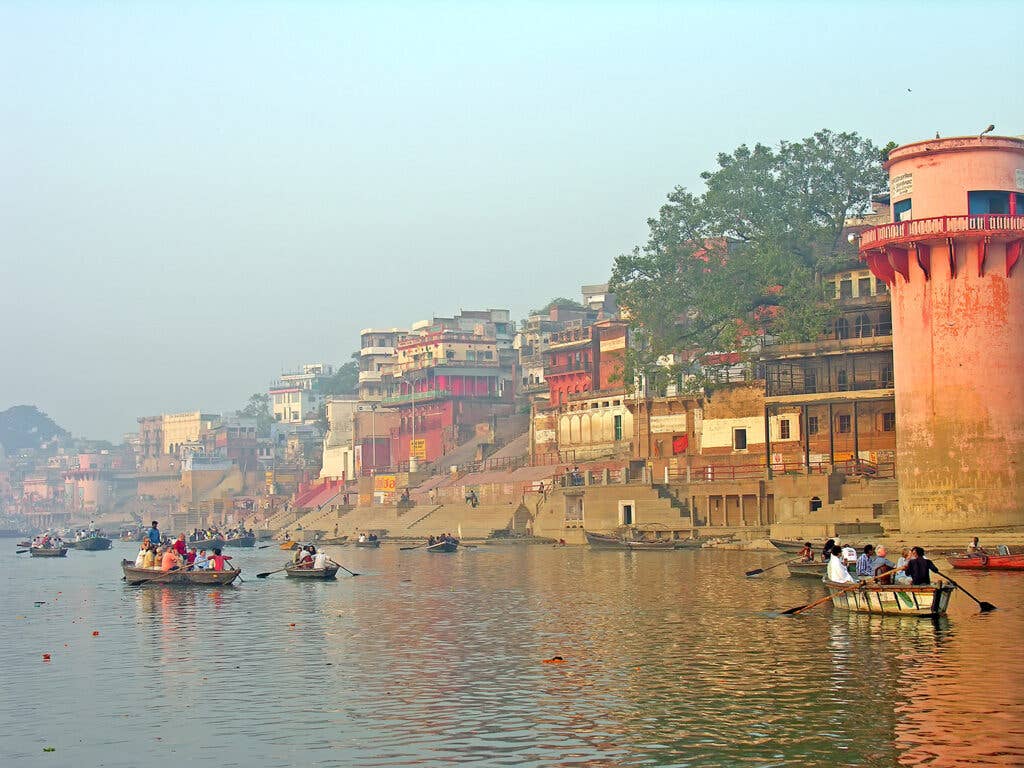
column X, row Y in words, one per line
column 784, row 429
column 812, row 425
column 901, row 210
column 979, row 203
column 843, row 423
column 889, row 422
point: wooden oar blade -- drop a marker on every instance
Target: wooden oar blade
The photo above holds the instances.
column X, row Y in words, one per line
column 755, row 572
column 986, row 607
column 790, row 611
column 263, row 575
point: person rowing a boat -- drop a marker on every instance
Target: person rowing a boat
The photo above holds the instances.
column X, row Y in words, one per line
column 918, row 568
column 826, row 551
column 218, row 562
column 807, row 553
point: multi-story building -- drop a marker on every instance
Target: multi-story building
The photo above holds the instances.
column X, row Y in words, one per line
column 951, row 259
column 449, row 374
column 339, row 461
column 830, row 402
column 180, row 430
column 296, row 397
column 585, row 359
column 377, row 350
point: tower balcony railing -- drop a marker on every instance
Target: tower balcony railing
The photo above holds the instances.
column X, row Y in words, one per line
column 942, row 226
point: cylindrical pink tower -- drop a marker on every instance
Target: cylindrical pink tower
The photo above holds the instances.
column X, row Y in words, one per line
column 951, row 258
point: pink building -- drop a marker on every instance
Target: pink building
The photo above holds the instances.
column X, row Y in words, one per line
column 951, row 258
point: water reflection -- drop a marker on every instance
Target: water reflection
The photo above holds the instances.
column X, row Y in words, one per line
column 672, row 659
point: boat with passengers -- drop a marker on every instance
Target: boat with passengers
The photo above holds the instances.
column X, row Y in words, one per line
column 191, row 577
column 891, row 599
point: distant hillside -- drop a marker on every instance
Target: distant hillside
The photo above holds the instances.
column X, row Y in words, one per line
column 25, row 426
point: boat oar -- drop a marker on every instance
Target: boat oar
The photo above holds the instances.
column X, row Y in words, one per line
column 858, row 585
column 343, row 568
column 22, row 551
column 406, row 549
column 267, row 573
column 263, row 546
column 762, row 570
column 985, row 607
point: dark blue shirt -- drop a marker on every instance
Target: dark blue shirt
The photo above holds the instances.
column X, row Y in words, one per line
column 154, row 535
column 917, row 570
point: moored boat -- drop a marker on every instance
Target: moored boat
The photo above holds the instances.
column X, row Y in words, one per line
column 604, row 541
column 443, row 546
column 324, row 574
column 49, row 551
column 987, row 562
column 135, row 576
column 92, row 543
column 891, row 599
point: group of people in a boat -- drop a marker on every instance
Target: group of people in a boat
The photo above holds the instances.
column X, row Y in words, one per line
column 365, row 537
column 213, row 532
column 178, row 556
column 46, row 541
column 912, row 567
column 441, row 538
column 307, row 556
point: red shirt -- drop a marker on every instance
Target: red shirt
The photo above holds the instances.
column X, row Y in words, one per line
column 180, row 547
column 190, row 557
column 219, row 561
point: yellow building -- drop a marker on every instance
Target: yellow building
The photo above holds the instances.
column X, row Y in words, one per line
column 184, row 428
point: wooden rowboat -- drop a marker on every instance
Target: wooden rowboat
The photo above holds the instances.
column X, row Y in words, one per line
column 92, row 543
column 369, row 544
column 603, row 541
column 288, row 545
column 198, row 578
column 241, row 541
column 980, row 562
column 443, row 546
column 324, row 574
column 49, row 551
column 217, row 542
column 894, row 599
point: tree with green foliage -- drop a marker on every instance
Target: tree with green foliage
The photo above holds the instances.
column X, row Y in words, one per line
column 345, row 380
column 749, row 253
column 258, row 407
column 561, row 302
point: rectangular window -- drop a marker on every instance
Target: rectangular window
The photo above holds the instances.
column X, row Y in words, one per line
column 846, row 289
column 784, row 429
column 739, row 439
column 843, row 423
column 618, row 427
column 979, row 203
column 888, row 422
column 812, row 425
column 901, row 210
column 864, row 286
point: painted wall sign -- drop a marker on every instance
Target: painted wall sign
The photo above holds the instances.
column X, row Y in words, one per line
column 901, row 186
column 675, row 422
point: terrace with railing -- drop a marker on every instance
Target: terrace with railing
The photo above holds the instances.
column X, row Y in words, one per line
column 904, row 232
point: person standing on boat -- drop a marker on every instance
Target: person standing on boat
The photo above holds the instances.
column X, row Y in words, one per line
column 153, row 534
column 918, row 568
column 837, row 569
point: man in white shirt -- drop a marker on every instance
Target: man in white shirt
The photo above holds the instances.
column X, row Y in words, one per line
column 201, row 563
column 849, row 554
column 320, row 561
column 837, row 570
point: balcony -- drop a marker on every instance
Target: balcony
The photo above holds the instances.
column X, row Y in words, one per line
column 555, row 370
column 382, row 351
column 418, row 397
column 365, row 376
column 915, row 230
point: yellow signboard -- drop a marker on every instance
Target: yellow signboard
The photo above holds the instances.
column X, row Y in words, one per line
column 384, row 483
column 418, row 449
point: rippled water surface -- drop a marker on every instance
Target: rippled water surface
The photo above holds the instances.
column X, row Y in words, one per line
column 671, row 659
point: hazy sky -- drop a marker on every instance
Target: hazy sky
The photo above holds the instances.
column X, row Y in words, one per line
column 194, row 196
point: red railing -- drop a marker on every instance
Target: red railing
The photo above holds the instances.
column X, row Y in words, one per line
column 939, row 226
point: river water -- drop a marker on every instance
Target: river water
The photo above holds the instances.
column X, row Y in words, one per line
column 671, row 659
